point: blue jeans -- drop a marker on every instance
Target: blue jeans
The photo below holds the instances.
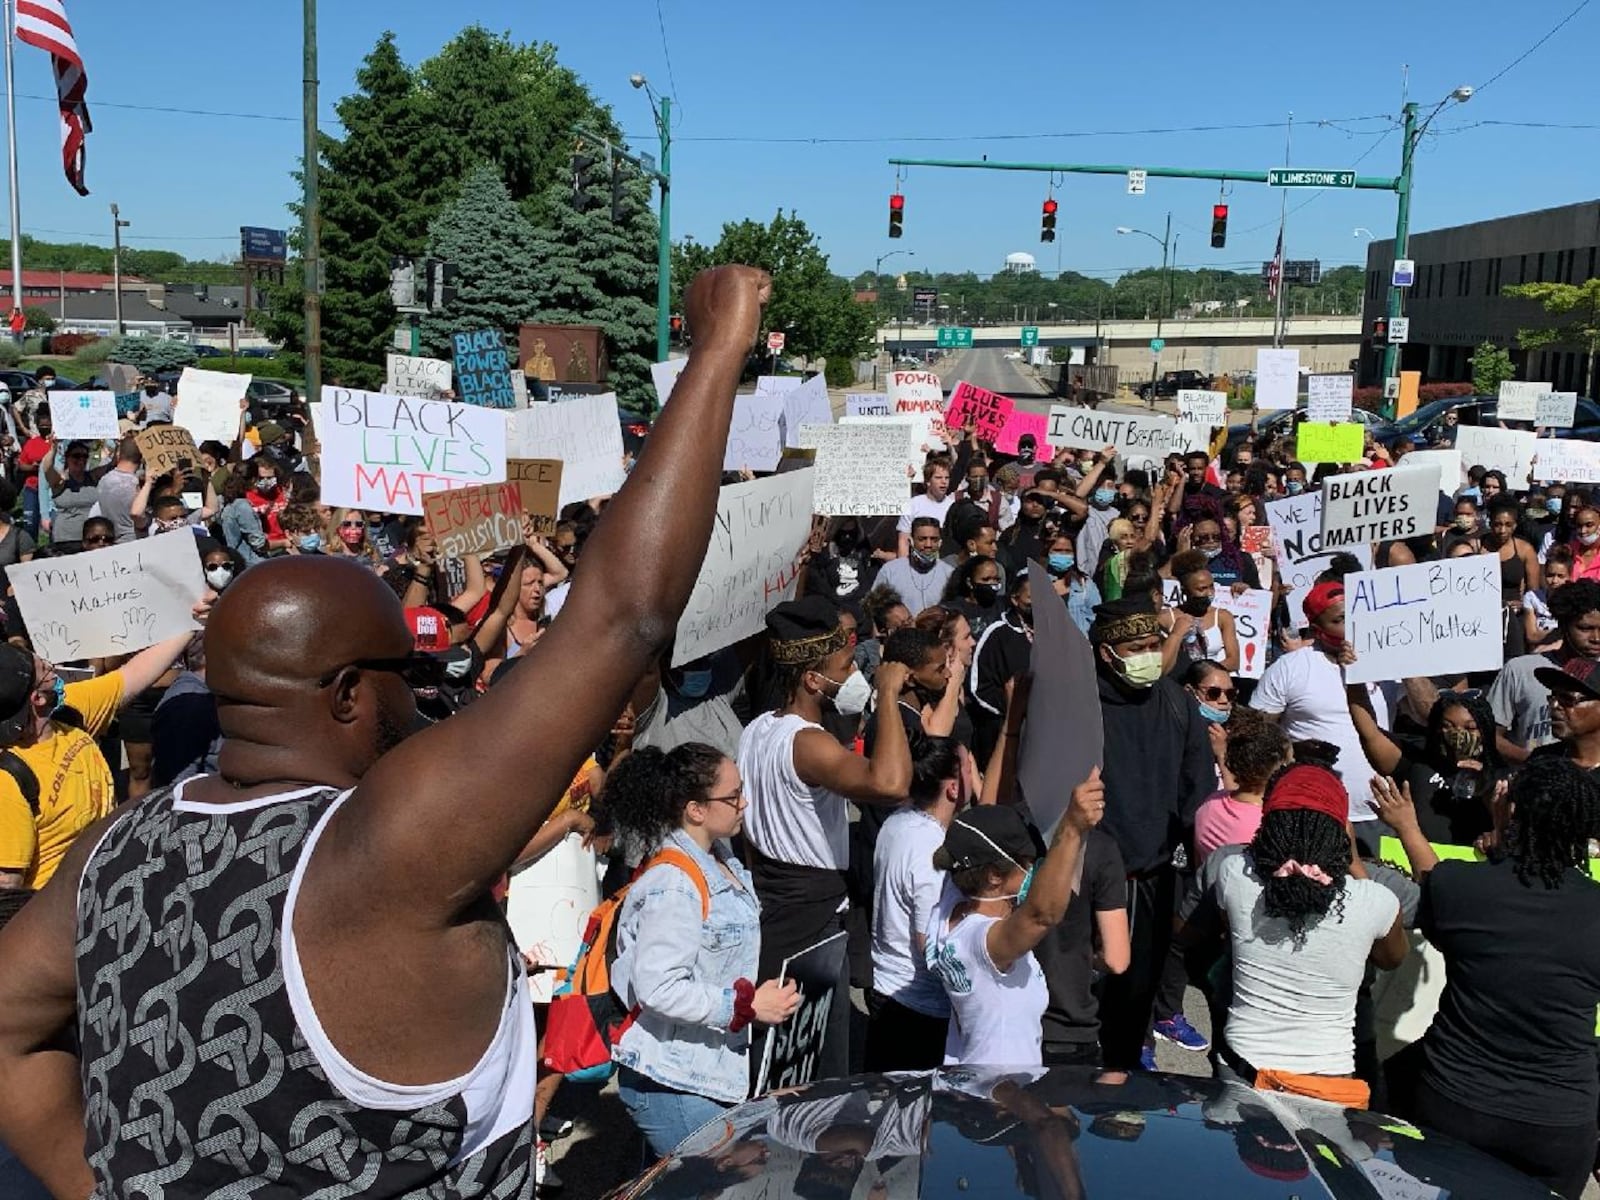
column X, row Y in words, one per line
column 30, row 512
column 663, row 1115
column 15, row 1181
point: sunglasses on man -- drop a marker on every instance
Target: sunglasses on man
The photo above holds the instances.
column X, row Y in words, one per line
column 419, row 670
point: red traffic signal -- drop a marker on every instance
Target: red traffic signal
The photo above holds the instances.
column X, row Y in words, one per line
column 1047, row 224
column 1219, row 226
column 897, row 214
column 1050, row 207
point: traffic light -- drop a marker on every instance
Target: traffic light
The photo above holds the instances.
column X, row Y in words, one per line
column 1219, row 226
column 897, row 214
column 1047, row 223
column 616, row 191
column 1380, row 331
column 582, row 164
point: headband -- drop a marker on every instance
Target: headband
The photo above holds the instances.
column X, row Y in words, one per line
column 1124, row 629
column 794, row 652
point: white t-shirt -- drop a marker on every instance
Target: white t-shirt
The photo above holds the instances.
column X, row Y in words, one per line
column 1307, row 688
column 921, row 506
column 905, row 895
column 789, row 820
column 996, row 1017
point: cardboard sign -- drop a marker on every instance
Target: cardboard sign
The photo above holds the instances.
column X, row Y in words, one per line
column 919, row 392
column 1566, row 460
column 751, row 564
column 384, row 452
column 755, row 434
column 538, row 482
column 1556, row 410
column 1448, row 463
column 428, row 378
column 665, row 376
column 166, row 448
column 583, row 433
column 1064, row 737
column 988, row 411
column 475, row 520
column 113, row 601
column 1432, row 618
column 1297, row 533
column 1277, row 379
column 1329, row 397
column 807, row 404
column 1320, row 442
column 866, row 404
column 1252, row 623
column 1519, row 400
column 208, row 404
column 1134, row 435
column 860, row 469
column 1019, row 424
column 1199, row 407
column 483, row 369
column 792, row 1052
column 1508, row 450
column 1379, row 506
column 87, row 416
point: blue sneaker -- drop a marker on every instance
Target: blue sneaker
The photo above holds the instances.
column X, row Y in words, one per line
column 1177, row 1030
column 1147, row 1059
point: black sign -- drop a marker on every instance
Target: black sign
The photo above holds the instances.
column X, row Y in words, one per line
column 263, row 245
column 926, row 296
column 1304, row 272
column 793, row 1049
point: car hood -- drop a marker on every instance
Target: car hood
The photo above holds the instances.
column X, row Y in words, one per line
column 1064, row 1132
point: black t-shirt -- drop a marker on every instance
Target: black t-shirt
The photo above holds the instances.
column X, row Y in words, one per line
column 1443, row 818
column 1067, row 952
column 842, row 578
column 1515, row 1032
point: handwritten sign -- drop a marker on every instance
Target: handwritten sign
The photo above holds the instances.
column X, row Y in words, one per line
column 792, row 1052
column 1134, row 435
column 1519, row 400
column 583, row 432
column 1252, row 622
column 483, row 369
column 988, row 411
column 860, row 469
column 87, row 416
column 919, row 392
column 1277, row 379
column 383, row 452
column 751, row 564
column 771, row 385
column 1320, row 442
column 112, row 601
column 755, row 434
column 476, row 520
column 1379, row 506
column 866, row 404
column 665, row 376
column 1199, row 407
column 1019, row 425
column 1329, row 397
column 1431, row 618
column 428, row 378
column 1566, row 460
column 1556, row 410
column 807, row 404
column 208, row 404
column 1448, row 463
column 1508, row 450
column 538, row 482
column 1187, row 437
column 166, row 448
column 1297, row 534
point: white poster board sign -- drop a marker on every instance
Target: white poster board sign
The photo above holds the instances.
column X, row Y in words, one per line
column 1297, row 537
column 1556, row 410
column 866, row 404
column 1252, row 621
column 1379, row 506
column 1507, row 450
column 919, row 393
column 89, row 416
column 1447, row 461
column 383, row 452
column 583, row 432
column 755, row 433
column 771, row 385
column 1432, row 618
column 1519, row 400
column 1277, row 379
column 547, row 906
column 914, row 427
column 1329, row 397
column 207, row 405
column 112, row 601
column 1135, row 435
column 665, row 376
column 750, row 566
column 807, row 404
column 860, row 469
column 1566, row 460
column 428, row 378
column 1198, row 407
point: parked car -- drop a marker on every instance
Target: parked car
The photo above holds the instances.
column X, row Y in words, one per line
column 1173, row 382
column 1279, row 422
column 208, row 352
column 1426, row 424
column 258, row 352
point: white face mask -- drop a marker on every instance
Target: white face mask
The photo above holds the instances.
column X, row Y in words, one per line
column 853, row 694
column 219, row 577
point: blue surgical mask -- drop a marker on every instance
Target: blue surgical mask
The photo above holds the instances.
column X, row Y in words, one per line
column 311, row 542
column 1060, row 563
column 1104, row 496
column 695, row 684
column 1553, row 507
column 60, row 689
column 1294, row 487
column 1215, row 715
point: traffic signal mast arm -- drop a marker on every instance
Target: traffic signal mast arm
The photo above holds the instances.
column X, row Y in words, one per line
column 1383, row 183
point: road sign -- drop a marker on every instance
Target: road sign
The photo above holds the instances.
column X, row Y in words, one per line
column 955, row 337
column 1405, row 273
column 1030, row 336
column 1136, row 182
column 1295, row 177
column 774, row 342
column 926, row 297
column 1157, row 345
column 1399, row 330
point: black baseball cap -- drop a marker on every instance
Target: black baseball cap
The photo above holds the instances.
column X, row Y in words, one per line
column 986, row 835
column 16, row 693
column 1576, row 675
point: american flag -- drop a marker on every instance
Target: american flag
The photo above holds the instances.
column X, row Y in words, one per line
column 44, row 24
column 1275, row 270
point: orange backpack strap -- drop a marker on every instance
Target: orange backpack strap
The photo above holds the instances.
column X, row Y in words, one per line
column 677, row 858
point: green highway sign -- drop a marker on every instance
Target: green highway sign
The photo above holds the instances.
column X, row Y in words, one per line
column 1296, row 177
column 1030, row 336
column 1157, row 345
column 953, row 337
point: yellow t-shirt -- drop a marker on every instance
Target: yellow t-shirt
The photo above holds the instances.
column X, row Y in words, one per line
column 75, row 784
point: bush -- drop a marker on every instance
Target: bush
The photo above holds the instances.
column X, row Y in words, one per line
column 284, row 366
column 71, row 343
column 840, row 372
column 152, row 355
column 10, row 353
column 1371, row 398
column 93, row 353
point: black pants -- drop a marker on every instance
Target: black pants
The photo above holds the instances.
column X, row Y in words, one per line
column 901, row 1038
column 1127, row 1000
column 1558, row 1156
column 1071, row 1054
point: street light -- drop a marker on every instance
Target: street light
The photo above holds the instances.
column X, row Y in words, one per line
column 1166, row 246
column 661, row 107
column 1362, row 230
column 117, row 226
column 876, row 267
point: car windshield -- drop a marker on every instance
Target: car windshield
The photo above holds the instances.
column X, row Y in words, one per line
column 1424, row 416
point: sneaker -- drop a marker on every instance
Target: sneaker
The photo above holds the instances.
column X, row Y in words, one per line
column 1177, row 1030
column 554, row 1128
column 546, row 1181
column 1147, row 1058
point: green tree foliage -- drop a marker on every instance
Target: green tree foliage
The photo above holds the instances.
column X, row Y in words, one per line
column 1491, row 366
column 1575, row 307
column 152, row 354
column 38, row 320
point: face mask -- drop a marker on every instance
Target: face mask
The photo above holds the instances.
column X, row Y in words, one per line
column 1104, row 496
column 986, row 594
column 266, row 486
column 1060, row 563
column 219, row 577
column 1024, row 455
column 1466, row 524
column 923, row 560
column 1589, row 539
column 1027, row 882
column 1326, row 640
column 851, row 698
column 1196, row 606
column 311, row 542
column 1210, row 552
column 351, row 537
column 1294, row 487
column 1025, row 615
column 1461, row 743
column 58, row 695
column 1139, row 670
column 1553, row 507
column 846, row 540
column 1215, row 715
column 695, row 684
column 152, row 392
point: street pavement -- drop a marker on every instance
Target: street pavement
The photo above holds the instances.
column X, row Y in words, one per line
column 993, row 371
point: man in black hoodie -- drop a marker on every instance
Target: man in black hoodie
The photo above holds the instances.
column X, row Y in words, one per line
column 1158, row 768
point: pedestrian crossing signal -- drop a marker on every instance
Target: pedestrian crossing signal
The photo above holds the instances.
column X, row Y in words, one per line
column 1219, row 226
column 1047, row 224
column 897, row 214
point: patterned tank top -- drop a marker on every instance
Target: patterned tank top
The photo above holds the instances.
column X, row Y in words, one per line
column 205, row 1071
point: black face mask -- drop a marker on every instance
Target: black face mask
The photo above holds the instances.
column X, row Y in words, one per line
column 1196, row 606
column 986, row 594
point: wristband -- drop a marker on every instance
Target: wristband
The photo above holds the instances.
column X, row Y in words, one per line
column 744, row 1005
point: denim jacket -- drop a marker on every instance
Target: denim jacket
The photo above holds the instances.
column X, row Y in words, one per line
column 241, row 530
column 680, row 970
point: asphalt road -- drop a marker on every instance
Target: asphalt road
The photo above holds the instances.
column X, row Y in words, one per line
column 992, row 370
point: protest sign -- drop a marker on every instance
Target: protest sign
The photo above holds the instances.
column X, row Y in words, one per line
column 914, row 433
column 1567, row 461
column 383, row 452
column 1556, row 410
column 1519, row 400
column 538, row 482
column 1379, row 506
column 1277, row 379
column 1187, row 437
column 771, row 385
column 807, row 404
column 1510, row 451
column 1329, row 397
column 986, row 410
column 483, row 369
column 665, row 376
column 1134, row 435
column 1064, row 739
column 547, row 906
column 89, row 416
column 166, row 448
column 474, row 520
column 755, row 434
column 792, row 1052
column 1252, row 621
column 866, row 404
column 1320, row 442
column 860, row 469
column 1431, row 618
column 519, row 387
column 1199, row 407
column 208, row 404
column 1021, row 423
column 919, row 392
column 1297, row 533
column 428, row 378
column 583, row 433
column 114, row 601
column 751, row 564
column 1448, row 463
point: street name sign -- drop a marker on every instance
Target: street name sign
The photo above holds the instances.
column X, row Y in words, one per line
column 1296, row 177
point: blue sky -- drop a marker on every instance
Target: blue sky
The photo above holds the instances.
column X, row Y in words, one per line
column 866, row 69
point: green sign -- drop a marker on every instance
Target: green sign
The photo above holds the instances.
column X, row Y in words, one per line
column 1295, row 177
column 952, row 337
column 1030, row 336
column 1157, row 345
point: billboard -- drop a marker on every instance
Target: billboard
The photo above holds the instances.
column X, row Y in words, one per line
column 263, row 245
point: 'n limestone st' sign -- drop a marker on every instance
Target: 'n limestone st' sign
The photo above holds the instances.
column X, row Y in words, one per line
column 1294, row 177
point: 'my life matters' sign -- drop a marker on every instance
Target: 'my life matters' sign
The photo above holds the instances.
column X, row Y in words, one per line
column 483, row 369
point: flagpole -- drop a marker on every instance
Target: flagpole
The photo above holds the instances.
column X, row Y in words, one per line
column 1283, row 219
column 11, row 151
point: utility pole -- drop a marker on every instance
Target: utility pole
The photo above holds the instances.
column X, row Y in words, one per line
column 664, row 232
column 311, row 253
column 117, row 226
column 10, row 17
column 1402, row 232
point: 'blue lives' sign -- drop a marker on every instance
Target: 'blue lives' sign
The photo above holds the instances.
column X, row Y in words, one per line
column 483, row 370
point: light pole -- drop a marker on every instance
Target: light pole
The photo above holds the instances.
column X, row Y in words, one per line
column 1166, row 246
column 311, row 215
column 117, row 226
column 661, row 106
column 877, row 267
column 1413, row 132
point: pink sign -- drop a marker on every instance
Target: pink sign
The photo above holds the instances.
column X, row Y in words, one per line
column 988, row 411
column 1019, row 423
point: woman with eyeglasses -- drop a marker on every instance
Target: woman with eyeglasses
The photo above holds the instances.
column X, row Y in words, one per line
column 1195, row 630
column 688, row 942
column 74, row 492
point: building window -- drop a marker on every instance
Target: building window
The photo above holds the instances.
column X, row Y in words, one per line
column 1522, row 270
column 1561, row 267
column 1592, row 250
column 1539, row 273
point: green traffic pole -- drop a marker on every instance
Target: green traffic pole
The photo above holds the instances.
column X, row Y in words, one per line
column 664, row 235
column 1402, row 230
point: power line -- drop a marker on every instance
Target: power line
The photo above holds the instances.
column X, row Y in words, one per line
column 160, row 108
column 1334, row 123
column 666, row 53
column 1514, row 62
